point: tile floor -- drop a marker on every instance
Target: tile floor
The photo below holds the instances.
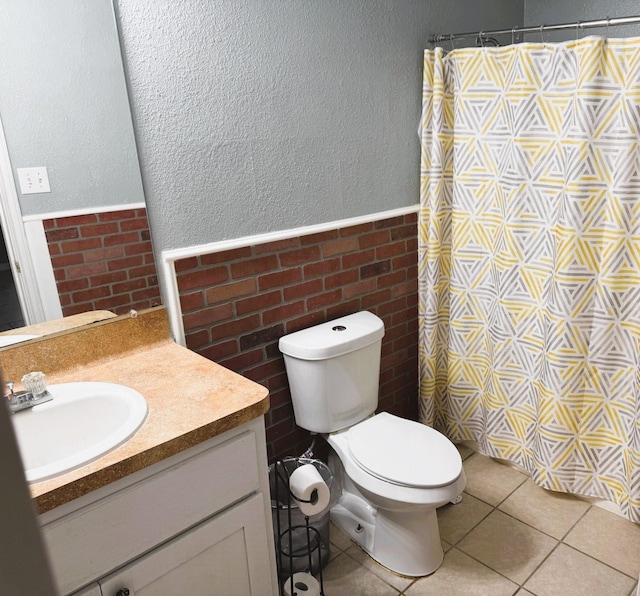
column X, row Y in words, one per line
column 507, row 536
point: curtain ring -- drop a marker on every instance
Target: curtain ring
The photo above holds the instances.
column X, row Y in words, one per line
column 451, row 42
column 513, row 35
column 542, row 33
column 606, row 31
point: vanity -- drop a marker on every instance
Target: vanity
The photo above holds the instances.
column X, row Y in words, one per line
column 183, row 505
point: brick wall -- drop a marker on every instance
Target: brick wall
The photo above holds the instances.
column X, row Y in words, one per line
column 237, row 304
column 103, row 261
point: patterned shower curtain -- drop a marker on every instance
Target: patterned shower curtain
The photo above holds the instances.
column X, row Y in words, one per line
column 530, row 259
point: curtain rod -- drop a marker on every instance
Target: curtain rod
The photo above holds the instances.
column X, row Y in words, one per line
column 578, row 25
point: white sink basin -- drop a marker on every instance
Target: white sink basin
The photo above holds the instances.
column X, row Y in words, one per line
column 82, row 423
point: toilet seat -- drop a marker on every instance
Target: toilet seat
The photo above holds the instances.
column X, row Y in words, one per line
column 404, row 452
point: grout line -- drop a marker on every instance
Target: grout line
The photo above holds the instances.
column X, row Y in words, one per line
column 495, row 570
column 526, row 477
column 534, row 527
column 521, row 586
column 599, row 561
column 475, row 525
column 561, row 540
column 466, row 554
column 375, row 563
column 360, row 565
column 579, row 519
column 558, row 543
column 353, row 544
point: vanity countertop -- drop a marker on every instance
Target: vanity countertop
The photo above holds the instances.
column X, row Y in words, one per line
column 63, row 324
column 190, row 399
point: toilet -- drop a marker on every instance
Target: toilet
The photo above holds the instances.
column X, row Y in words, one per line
column 394, row 472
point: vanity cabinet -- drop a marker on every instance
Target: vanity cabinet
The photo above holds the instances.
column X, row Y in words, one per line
column 198, row 522
column 92, row 590
column 217, row 557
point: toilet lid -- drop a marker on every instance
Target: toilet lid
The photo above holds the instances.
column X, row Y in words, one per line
column 404, row 452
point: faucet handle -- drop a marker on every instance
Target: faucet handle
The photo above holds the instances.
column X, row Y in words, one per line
column 35, row 383
column 10, row 386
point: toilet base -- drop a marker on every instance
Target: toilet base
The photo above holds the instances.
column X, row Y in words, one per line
column 406, row 542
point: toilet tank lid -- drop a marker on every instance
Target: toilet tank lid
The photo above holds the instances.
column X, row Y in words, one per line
column 333, row 338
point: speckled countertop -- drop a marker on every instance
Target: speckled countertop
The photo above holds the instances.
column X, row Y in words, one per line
column 64, row 324
column 190, row 399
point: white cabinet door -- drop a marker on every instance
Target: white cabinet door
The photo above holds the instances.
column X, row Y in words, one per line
column 116, row 529
column 92, row 590
column 226, row 555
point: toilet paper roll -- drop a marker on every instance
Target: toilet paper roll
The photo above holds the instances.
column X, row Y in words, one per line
column 304, row 584
column 306, row 484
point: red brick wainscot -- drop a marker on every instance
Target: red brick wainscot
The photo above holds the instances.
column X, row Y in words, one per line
column 237, row 304
column 103, row 261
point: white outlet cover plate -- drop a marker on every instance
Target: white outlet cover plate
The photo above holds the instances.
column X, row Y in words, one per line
column 33, row 180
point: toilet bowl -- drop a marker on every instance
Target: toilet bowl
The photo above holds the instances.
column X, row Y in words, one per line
column 390, row 509
column 393, row 472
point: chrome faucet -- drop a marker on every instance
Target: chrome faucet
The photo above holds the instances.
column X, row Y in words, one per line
column 22, row 400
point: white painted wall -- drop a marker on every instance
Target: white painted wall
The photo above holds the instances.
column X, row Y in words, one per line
column 255, row 116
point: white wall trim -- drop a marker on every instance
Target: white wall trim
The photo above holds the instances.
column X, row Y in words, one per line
column 16, row 240
column 172, row 296
column 169, row 257
column 43, row 268
column 213, row 247
column 83, row 211
column 40, row 259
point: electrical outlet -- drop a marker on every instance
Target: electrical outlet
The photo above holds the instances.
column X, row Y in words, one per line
column 33, row 180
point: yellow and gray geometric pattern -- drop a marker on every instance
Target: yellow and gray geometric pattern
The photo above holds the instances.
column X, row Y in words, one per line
column 530, row 259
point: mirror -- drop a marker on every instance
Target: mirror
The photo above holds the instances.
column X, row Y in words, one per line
column 64, row 106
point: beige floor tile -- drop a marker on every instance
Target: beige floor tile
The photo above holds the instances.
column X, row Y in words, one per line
column 489, row 480
column 609, row 538
column 523, row 592
column 550, row 512
column 398, row 582
column 445, row 546
column 464, row 451
column 338, row 538
column 460, row 575
column 507, row 546
column 344, row 575
column 456, row 521
column 334, row 552
column 568, row 572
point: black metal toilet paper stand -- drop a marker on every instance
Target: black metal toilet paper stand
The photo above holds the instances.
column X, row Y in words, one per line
column 284, row 540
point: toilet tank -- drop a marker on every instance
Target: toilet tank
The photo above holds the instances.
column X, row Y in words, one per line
column 333, row 371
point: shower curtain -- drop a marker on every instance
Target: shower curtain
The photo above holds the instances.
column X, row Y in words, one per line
column 529, row 259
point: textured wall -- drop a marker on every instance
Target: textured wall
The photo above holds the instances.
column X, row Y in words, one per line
column 552, row 11
column 261, row 115
column 63, row 102
column 238, row 303
column 103, row 261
